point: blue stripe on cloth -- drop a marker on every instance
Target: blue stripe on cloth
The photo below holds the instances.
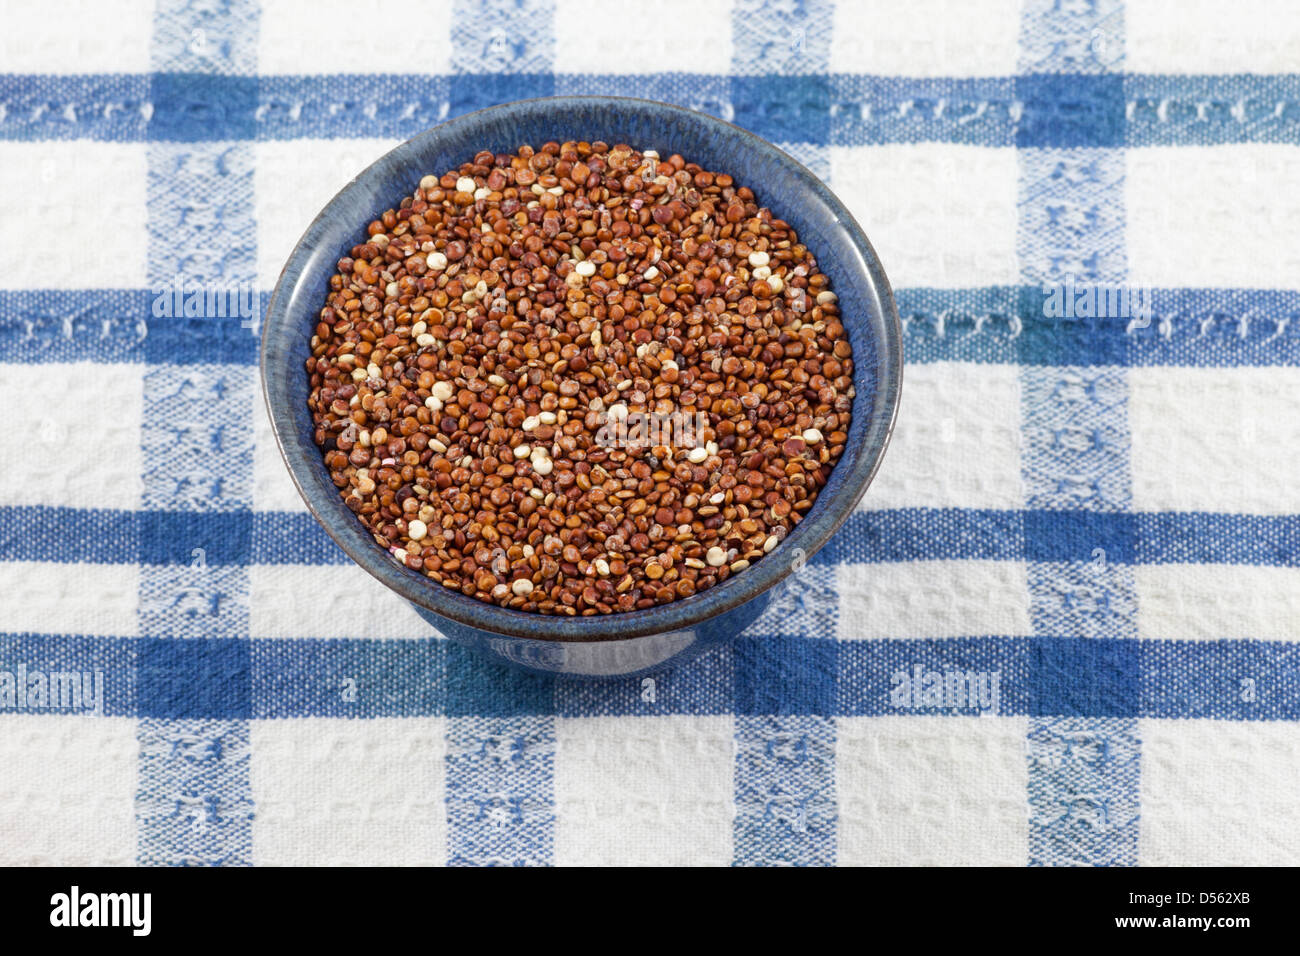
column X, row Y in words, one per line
column 1172, row 538
column 115, row 657
column 1072, row 38
column 303, row 678
column 48, row 325
column 926, row 534
column 202, row 108
column 115, row 107
column 1075, row 435
column 877, row 110
column 781, row 39
column 1084, row 803
column 869, row 537
column 500, row 782
column 784, row 684
column 1069, row 111
column 702, row 686
column 1194, row 327
column 198, row 437
column 843, row 109
column 1212, row 110
column 791, row 675
column 866, row 670
column 194, row 669
column 348, row 678
column 503, row 36
column 786, row 811
column 1001, row 324
column 292, row 537
column 204, row 341
column 1220, row 680
column 194, row 804
column 501, row 791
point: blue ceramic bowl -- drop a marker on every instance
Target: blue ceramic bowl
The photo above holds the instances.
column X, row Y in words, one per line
column 612, row 644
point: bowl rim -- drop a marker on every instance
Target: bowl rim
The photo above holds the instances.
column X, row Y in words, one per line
column 683, row 613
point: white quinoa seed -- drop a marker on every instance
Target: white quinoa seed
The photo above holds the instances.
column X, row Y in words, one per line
column 716, row 557
column 585, row 269
column 465, row 185
column 436, row 261
column 442, row 391
column 522, row 451
column 827, row 297
column 531, row 423
column 522, row 587
column 428, row 183
column 770, row 543
column 812, row 436
column 542, row 466
column 416, row 530
column 758, row 259
column 433, row 403
column 697, row 455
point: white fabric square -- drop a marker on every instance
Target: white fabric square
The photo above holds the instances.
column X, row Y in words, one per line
column 1187, row 205
column 918, row 599
column 48, row 597
column 1214, row 601
column 321, row 601
column 932, row 791
column 1219, row 793
column 273, row 489
column 957, row 441
column 86, row 444
column 355, row 36
column 69, row 794
column 1205, row 37
column 77, row 36
column 349, row 792
column 293, row 181
column 39, row 181
column 940, row 215
column 1215, row 439
column 644, row 791
column 657, row 42
column 926, row 38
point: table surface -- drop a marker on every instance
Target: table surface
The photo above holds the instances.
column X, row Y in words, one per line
column 1062, row 628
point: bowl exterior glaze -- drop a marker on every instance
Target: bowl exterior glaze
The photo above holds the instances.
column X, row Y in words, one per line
column 614, row 644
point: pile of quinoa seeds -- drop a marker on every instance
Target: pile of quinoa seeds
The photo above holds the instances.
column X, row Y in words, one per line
column 580, row 380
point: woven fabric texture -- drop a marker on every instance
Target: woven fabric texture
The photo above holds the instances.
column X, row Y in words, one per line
column 1062, row 628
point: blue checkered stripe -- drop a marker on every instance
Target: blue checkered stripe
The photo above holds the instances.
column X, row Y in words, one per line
column 1091, row 517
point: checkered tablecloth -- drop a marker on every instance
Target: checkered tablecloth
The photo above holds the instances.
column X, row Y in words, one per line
column 1096, row 519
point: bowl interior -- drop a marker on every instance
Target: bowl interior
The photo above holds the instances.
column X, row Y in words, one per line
column 778, row 181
